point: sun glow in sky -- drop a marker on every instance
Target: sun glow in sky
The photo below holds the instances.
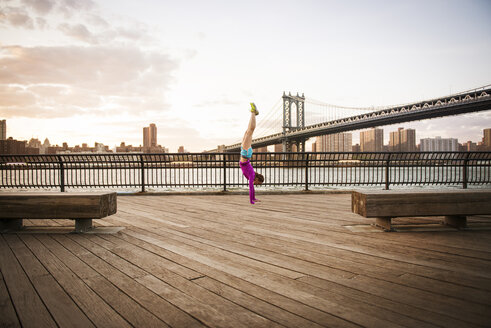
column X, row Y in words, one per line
column 99, row 71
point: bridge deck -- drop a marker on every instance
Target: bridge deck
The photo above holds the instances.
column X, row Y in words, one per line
column 293, row 260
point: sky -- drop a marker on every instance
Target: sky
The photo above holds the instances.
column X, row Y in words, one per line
column 85, row 71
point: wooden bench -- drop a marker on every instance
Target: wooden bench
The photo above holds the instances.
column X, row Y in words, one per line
column 454, row 205
column 79, row 206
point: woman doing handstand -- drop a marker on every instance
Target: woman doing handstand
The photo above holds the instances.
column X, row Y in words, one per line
column 246, row 154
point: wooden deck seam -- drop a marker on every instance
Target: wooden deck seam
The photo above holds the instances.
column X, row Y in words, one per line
column 367, row 304
column 150, row 274
column 391, row 242
column 90, row 280
column 209, row 269
column 395, row 282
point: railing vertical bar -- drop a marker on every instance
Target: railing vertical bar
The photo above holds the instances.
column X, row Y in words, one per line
column 464, row 171
column 62, row 175
column 387, row 173
column 142, row 176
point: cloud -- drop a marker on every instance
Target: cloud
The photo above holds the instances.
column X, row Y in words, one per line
column 48, row 81
column 16, row 17
column 40, row 6
column 78, row 32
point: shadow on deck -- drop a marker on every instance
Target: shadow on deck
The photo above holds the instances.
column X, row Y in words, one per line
column 216, row 261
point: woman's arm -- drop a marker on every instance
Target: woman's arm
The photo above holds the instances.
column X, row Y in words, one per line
column 252, row 193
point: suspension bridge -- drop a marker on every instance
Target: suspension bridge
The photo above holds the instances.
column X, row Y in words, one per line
column 288, row 123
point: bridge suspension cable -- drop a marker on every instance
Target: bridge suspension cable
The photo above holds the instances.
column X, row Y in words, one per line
column 319, row 112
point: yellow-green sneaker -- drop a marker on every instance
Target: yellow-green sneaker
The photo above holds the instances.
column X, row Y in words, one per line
column 254, row 109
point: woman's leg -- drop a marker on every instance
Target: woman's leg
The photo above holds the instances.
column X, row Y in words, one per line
column 247, row 140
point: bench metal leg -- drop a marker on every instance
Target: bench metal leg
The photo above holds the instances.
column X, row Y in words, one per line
column 83, row 225
column 10, row 224
column 384, row 222
column 457, row 221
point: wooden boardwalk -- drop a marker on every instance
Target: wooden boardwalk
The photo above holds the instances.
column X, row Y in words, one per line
column 216, row 261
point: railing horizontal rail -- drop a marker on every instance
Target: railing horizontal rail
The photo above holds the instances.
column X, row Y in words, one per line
column 221, row 170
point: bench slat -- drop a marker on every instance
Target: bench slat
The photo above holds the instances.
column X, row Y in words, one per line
column 93, row 205
column 390, row 203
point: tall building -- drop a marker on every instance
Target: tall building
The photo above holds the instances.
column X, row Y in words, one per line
column 486, row 139
column 403, row 140
column 338, row 142
column 439, row 144
column 150, row 136
column 146, row 137
column 153, row 135
column 372, row 140
column 470, row 146
column 3, row 130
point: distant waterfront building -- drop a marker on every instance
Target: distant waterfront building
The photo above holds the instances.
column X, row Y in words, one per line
column 146, row 137
column 486, row 139
column 150, row 136
column 34, row 143
column 11, row 146
column 439, row 144
column 338, row 142
column 372, row 140
column 403, row 140
column 356, row 148
column 3, row 130
column 470, row 146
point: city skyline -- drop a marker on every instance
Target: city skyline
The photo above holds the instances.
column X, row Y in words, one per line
column 403, row 139
column 95, row 71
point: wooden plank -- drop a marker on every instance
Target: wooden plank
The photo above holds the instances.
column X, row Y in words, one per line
column 157, row 262
column 224, row 239
column 61, row 306
column 230, row 257
column 272, row 264
column 206, row 306
column 277, row 283
column 360, row 287
column 57, row 205
column 103, row 303
column 334, row 244
column 282, row 302
column 29, row 307
column 256, row 305
column 156, row 305
column 7, row 311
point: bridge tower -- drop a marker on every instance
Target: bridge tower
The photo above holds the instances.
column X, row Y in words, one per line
column 298, row 104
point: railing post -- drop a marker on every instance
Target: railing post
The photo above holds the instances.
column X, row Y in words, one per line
column 62, row 174
column 307, row 172
column 387, row 173
column 464, row 171
column 224, row 173
column 142, row 173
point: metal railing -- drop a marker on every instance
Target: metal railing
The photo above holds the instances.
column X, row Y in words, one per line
column 221, row 171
